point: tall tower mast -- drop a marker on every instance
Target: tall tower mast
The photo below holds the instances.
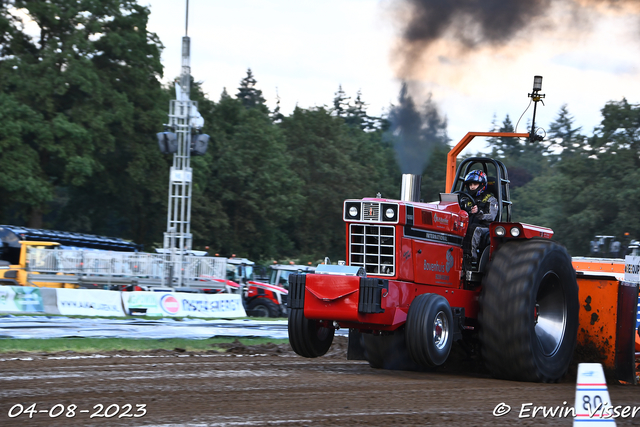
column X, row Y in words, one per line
column 178, row 238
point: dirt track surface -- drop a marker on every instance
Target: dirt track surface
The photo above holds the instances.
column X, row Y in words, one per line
column 269, row 385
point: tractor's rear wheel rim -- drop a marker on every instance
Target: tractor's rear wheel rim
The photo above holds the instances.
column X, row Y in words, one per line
column 440, row 330
column 551, row 310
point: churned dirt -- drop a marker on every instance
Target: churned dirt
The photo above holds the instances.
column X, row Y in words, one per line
column 268, row 385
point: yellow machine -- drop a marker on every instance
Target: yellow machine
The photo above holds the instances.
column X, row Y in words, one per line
column 16, row 274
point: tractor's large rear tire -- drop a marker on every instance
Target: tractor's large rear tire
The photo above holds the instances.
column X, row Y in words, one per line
column 429, row 330
column 308, row 338
column 529, row 311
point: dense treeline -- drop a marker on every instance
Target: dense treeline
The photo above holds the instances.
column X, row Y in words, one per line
column 78, row 105
column 272, row 186
column 81, row 102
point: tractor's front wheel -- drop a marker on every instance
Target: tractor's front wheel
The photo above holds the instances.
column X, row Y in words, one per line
column 429, row 330
column 308, row 338
column 529, row 311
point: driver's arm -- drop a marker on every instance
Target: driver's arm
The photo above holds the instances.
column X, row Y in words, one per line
column 493, row 210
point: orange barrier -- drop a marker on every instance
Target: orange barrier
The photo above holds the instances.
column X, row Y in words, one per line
column 599, row 265
column 598, row 316
column 607, row 318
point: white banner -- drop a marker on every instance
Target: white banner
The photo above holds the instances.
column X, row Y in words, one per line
column 183, row 304
column 95, row 302
column 89, row 302
column 632, row 269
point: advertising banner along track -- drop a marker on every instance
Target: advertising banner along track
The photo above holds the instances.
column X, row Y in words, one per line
column 183, row 304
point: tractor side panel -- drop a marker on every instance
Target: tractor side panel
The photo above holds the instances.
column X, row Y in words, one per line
column 405, row 259
column 437, row 264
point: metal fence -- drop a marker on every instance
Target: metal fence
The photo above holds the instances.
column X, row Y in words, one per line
column 197, row 267
column 123, row 264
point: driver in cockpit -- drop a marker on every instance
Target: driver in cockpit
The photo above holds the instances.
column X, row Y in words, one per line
column 484, row 210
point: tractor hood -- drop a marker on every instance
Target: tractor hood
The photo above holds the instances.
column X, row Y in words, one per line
column 444, row 216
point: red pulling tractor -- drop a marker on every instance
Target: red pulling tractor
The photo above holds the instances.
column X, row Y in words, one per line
column 407, row 292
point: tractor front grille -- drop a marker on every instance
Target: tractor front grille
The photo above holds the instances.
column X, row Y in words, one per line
column 371, row 211
column 373, row 248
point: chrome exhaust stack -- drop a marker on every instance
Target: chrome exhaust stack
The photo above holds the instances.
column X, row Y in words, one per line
column 410, row 191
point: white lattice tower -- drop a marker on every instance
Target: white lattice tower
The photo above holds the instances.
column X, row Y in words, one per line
column 177, row 238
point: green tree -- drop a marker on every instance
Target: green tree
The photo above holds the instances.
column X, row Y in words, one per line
column 493, row 140
column 504, row 147
column 276, row 115
column 88, row 87
column 356, row 116
column 249, row 95
column 524, row 160
column 25, row 187
column 434, row 175
column 246, row 193
column 615, row 147
column 335, row 162
column 565, row 140
column 619, row 130
column 340, row 103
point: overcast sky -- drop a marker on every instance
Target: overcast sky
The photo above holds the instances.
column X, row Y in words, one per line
column 303, row 49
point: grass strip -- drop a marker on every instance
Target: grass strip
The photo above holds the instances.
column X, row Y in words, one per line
column 92, row 345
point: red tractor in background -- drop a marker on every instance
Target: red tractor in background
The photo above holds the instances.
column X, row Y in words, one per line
column 266, row 298
column 270, row 299
column 407, row 293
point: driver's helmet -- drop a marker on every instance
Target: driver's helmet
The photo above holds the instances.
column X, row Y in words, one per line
column 479, row 177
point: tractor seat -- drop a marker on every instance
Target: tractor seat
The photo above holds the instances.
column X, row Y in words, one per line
column 485, row 238
column 492, row 187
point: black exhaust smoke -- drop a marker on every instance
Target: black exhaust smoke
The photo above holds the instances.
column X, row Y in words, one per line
column 417, row 125
column 493, row 23
column 471, row 22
